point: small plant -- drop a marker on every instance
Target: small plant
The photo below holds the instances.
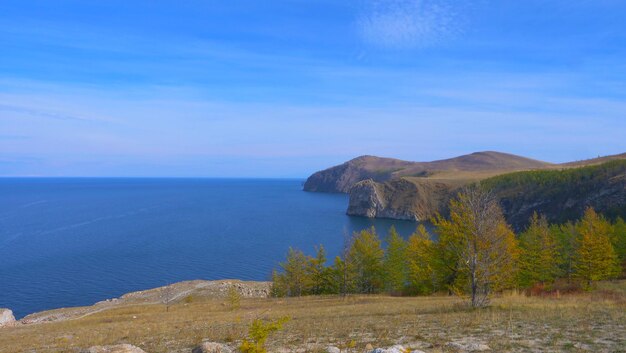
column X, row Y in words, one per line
column 188, row 299
column 234, row 298
column 258, row 333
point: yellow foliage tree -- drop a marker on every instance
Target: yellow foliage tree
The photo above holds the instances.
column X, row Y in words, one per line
column 594, row 259
column 258, row 333
column 484, row 245
column 420, row 257
column 366, row 262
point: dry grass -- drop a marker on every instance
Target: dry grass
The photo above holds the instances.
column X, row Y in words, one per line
column 591, row 321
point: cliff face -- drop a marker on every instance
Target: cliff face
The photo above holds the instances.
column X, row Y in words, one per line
column 399, row 199
column 560, row 195
column 342, row 177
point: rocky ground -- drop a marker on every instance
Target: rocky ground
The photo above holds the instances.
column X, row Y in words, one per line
column 201, row 314
column 163, row 295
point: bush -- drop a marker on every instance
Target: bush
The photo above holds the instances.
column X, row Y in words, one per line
column 258, row 333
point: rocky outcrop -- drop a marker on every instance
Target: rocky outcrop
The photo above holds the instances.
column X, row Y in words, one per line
column 171, row 294
column 6, row 318
column 560, row 195
column 415, row 200
column 341, row 178
column 119, row 348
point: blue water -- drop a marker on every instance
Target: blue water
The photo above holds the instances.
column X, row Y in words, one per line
column 70, row 242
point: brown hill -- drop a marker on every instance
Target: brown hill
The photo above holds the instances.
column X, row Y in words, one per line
column 341, row 178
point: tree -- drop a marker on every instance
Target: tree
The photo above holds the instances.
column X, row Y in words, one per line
column 619, row 242
column 366, row 262
column 539, row 260
column 279, row 284
column 595, row 259
column 565, row 236
column 317, row 273
column 394, row 263
column 421, row 254
column 294, row 272
column 234, row 298
column 483, row 243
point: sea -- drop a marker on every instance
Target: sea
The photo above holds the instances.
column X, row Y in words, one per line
column 76, row 241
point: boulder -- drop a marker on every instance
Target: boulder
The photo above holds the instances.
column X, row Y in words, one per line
column 118, row 348
column 212, row 347
column 6, row 318
column 332, row 349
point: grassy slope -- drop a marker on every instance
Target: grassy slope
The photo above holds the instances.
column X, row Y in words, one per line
column 513, row 323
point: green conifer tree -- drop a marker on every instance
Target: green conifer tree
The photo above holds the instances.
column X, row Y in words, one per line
column 619, row 242
column 295, row 273
column 317, row 273
column 539, row 260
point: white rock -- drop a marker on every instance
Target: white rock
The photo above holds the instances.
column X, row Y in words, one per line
column 332, row 349
column 120, row 348
column 468, row 346
column 212, row 347
column 6, row 318
column 393, row 349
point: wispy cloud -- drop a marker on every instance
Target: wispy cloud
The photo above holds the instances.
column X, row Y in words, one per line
column 407, row 23
column 40, row 113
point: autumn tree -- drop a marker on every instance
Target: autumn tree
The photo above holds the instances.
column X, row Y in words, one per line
column 294, row 273
column 317, row 273
column 421, row 254
column 539, row 260
column 595, row 259
column 366, row 262
column 482, row 242
column 619, row 242
column 394, row 263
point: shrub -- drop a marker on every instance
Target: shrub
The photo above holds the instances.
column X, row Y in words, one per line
column 258, row 333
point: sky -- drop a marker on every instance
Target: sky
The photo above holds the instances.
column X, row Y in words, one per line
column 284, row 88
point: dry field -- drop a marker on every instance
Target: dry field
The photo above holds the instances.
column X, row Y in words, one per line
column 593, row 322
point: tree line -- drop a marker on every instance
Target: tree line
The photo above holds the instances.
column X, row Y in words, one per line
column 475, row 254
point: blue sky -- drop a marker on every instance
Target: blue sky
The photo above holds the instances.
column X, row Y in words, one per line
column 284, row 88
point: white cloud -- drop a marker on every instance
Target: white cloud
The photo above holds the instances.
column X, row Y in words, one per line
column 406, row 23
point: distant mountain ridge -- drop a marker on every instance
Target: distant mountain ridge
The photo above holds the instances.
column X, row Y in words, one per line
column 392, row 188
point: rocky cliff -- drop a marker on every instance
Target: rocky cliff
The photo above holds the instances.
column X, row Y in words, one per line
column 560, row 194
column 416, row 200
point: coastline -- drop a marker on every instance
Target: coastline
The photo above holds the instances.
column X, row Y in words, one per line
column 165, row 295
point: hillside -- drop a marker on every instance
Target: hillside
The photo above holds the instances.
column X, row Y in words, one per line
column 389, row 188
column 341, row 178
column 514, row 323
column 562, row 195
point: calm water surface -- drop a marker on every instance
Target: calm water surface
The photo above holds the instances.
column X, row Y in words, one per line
column 69, row 242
